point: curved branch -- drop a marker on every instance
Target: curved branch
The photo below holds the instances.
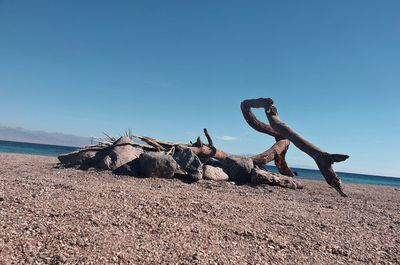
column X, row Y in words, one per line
column 199, row 148
column 150, row 141
column 199, row 143
column 277, row 153
column 208, row 136
column 252, row 120
column 323, row 159
column 206, row 151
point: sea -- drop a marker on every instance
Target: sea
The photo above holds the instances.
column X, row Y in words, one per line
column 55, row 150
column 34, row 149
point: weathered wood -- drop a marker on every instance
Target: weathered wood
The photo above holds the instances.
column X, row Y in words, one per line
column 208, row 136
column 277, row 154
column 280, row 130
column 150, row 141
column 199, row 143
column 202, row 150
column 255, row 123
column 259, row 176
column 278, row 151
column 205, row 151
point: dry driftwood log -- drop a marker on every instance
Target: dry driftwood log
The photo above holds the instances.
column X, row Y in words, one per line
column 107, row 151
column 205, row 151
column 281, row 131
column 278, row 151
column 277, row 154
column 158, row 158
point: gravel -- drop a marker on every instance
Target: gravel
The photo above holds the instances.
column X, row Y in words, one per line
column 51, row 215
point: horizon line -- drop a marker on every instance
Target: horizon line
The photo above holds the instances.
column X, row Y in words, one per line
column 270, row 165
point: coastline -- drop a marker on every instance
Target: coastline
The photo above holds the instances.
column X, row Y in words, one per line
column 12, row 147
column 71, row 216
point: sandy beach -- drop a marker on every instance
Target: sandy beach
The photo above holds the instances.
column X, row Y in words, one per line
column 51, row 215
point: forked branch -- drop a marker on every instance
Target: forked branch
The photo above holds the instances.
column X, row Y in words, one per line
column 280, row 130
column 277, row 154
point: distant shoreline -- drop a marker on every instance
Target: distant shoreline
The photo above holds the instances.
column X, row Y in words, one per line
column 55, row 150
column 23, row 135
column 36, row 143
column 14, row 147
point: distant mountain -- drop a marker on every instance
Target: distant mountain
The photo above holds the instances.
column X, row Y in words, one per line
column 41, row 137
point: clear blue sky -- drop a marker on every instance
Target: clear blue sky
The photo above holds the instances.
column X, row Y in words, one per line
column 169, row 68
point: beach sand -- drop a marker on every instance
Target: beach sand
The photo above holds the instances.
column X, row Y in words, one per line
column 50, row 215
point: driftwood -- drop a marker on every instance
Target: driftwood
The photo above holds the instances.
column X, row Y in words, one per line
column 280, row 131
column 277, row 154
column 278, row 151
column 206, row 151
column 192, row 158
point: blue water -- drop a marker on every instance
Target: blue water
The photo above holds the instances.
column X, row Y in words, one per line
column 55, row 150
column 34, row 149
column 346, row 177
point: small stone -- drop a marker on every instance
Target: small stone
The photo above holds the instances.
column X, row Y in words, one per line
column 128, row 169
column 157, row 165
column 259, row 176
column 189, row 162
column 238, row 168
column 214, row 173
column 79, row 158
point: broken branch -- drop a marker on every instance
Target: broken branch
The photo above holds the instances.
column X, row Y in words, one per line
column 280, row 130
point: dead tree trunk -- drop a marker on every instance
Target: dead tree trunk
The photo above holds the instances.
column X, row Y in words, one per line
column 280, row 130
column 277, row 154
column 278, row 151
column 206, row 151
